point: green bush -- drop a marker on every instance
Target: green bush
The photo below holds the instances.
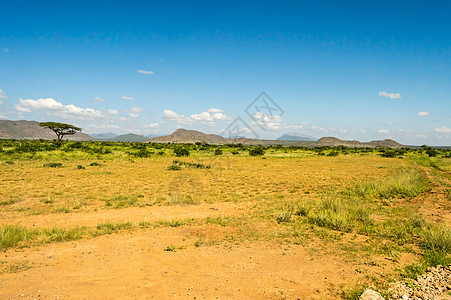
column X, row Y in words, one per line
column 218, row 152
column 257, row 151
column 181, row 151
column 174, row 168
column 143, row 153
column 53, row 165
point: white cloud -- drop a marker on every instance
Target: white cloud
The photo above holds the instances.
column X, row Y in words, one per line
column 443, row 130
column 390, row 95
column 152, row 125
column 265, row 118
column 98, row 99
column 175, row 117
column 363, row 131
column 340, row 130
column 317, row 128
column 56, row 108
column 145, row 72
column 206, row 117
column 2, row 96
column 136, row 110
column 103, row 126
column 423, row 113
column 133, row 115
column 384, row 131
column 214, row 110
column 6, row 50
column 3, row 117
column 389, row 123
column 127, row 98
column 112, row 112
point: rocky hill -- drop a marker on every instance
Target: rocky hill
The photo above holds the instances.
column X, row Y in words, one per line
column 194, row 136
column 334, row 142
column 30, row 130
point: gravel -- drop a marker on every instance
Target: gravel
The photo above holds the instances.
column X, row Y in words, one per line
column 435, row 284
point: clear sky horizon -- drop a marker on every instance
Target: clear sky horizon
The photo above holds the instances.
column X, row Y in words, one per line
column 361, row 70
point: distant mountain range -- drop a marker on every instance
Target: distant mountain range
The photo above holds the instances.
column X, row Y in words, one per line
column 104, row 136
column 296, row 137
column 31, row 130
column 194, row 136
column 129, row 137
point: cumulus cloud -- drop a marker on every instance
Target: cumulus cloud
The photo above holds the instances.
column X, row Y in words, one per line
column 127, row 98
column 175, row 117
column 317, row 128
column 98, row 99
column 133, row 115
column 423, row 113
column 136, row 110
column 385, row 131
column 112, row 112
column 103, row 126
column 206, row 117
column 152, row 125
column 2, row 96
column 443, row 130
column 145, row 72
column 53, row 107
column 214, row 110
column 390, row 95
column 363, row 131
column 340, row 130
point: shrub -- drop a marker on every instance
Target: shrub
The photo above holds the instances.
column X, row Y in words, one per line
column 257, row 151
column 389, row 153
column 174, row 168
column 143, row 153
column 180, row 151
column 53, row 165
column 218, row 152
column 431, row 153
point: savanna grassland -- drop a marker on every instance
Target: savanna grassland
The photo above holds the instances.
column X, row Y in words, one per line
column 131, row 220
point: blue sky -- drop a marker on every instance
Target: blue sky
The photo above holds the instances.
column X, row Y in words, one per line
column 360, row 70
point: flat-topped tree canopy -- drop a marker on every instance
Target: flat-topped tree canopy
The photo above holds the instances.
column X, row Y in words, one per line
column 60, row 129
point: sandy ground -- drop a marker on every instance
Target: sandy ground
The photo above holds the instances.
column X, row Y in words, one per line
column 132, row 214
column 135, row 266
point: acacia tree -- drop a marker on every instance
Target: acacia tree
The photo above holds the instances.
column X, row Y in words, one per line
column 61, row 129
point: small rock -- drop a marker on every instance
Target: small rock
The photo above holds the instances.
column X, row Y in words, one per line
column 370, row 294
